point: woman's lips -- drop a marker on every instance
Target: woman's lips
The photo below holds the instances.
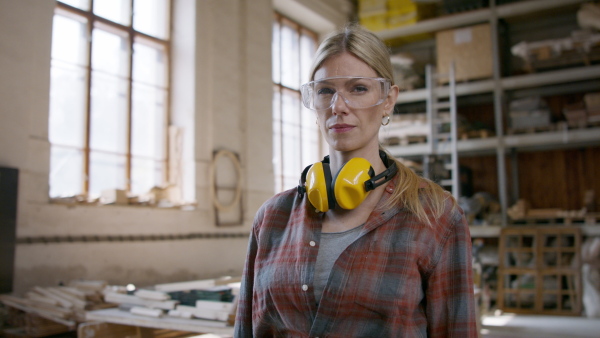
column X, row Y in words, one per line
column 341, row 128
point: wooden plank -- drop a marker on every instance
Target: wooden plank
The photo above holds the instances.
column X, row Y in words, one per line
column 204, row 313
column 77, row 302
column 47, row 293
column 144, row 311
column 151, row 294
column 13, row 302
column 186, row 286
column 119, row 298
column 192, row 325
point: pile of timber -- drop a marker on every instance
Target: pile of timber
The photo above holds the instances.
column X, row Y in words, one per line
column 211, row 299
column 522, row 212
column 44, row 311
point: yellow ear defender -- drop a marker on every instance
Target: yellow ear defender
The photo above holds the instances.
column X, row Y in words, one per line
column 350, row 186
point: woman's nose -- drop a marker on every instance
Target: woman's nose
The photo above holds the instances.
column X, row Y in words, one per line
column 338, row 104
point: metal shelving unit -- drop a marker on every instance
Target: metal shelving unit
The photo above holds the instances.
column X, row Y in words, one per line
column 498, row 86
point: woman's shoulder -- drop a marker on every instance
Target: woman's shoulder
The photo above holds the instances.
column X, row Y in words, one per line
column 440, row 202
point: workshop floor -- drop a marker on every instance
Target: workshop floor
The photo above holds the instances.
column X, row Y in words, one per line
column 533, row 326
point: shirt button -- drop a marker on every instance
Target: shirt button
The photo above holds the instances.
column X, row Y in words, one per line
column 304, row 287
column 312, row 243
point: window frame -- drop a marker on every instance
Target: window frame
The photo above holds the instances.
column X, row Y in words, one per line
column 278, row 89
column 131, row 36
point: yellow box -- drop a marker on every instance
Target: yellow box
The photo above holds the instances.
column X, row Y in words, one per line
column 374, row 23
column 370, row 7
column 405, row 5
column 409, row 15
column 400, row 18
column 470, row 49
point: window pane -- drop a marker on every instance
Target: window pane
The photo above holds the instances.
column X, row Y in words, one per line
column 290, row 63
column 108, row 125
column 149, row 65
column 310, row 138
column 291, row 130
column 67, row 105
column 276, row 57
column 118, row 11
column 277, row 139
column 109, row 53
column 81, row 4
column 148, row 135
column 151, row 17
column 69, row 42
column 66, row 171
column 307, row 52
column 107, row 171
column 146, row 174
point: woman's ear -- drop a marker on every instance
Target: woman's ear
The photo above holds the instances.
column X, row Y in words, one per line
column 390, row 101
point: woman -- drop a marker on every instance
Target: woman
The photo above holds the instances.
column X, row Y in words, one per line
column 392, row 260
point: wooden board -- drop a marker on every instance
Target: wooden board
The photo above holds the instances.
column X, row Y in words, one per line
column 116, row 316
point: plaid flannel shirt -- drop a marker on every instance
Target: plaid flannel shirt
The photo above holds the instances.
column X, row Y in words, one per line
column 399, row 278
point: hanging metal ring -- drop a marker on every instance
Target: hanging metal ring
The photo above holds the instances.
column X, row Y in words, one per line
column 387, row 121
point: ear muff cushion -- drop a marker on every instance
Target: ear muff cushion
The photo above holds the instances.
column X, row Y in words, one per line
column 318, row 180
column 349, row 183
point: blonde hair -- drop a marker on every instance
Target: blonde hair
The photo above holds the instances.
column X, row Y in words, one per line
column 359, row 42
column 413, row 192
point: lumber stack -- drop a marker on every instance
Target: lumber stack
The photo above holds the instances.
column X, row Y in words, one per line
column 202, row 299
column 44, row 311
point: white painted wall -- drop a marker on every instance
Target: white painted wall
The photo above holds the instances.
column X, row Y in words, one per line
column 222, row 96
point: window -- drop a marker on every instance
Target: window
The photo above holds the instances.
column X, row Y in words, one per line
column 109, row 96
column 296, row 137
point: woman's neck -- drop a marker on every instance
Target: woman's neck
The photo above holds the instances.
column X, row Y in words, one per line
column 338, row 219
column 337, row 159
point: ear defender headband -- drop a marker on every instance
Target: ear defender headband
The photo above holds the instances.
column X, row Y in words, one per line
column 350, row 186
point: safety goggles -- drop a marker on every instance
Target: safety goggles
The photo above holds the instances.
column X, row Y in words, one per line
column 356, row 91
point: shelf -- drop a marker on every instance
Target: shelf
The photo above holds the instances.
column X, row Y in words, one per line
column 508, row 83
column 492, row 231
column 545, row 140
column 485, row 231
column 474, row 17
column 553, row 139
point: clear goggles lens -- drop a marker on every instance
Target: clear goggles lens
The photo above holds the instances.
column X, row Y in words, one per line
column 357, row 92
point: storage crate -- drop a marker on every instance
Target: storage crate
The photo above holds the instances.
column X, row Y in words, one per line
column 469, row 48
column 539, row 270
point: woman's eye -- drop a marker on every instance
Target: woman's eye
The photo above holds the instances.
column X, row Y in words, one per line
column 360, row 89
column 325, row 91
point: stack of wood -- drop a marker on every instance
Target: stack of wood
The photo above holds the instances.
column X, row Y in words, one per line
column 50, row 310
column 202, row 300
column 522, row 211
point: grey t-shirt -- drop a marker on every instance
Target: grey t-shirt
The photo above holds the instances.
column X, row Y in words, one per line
column 331, row 246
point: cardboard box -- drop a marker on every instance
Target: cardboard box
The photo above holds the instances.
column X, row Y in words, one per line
column 592, row 101
column 470, row 49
